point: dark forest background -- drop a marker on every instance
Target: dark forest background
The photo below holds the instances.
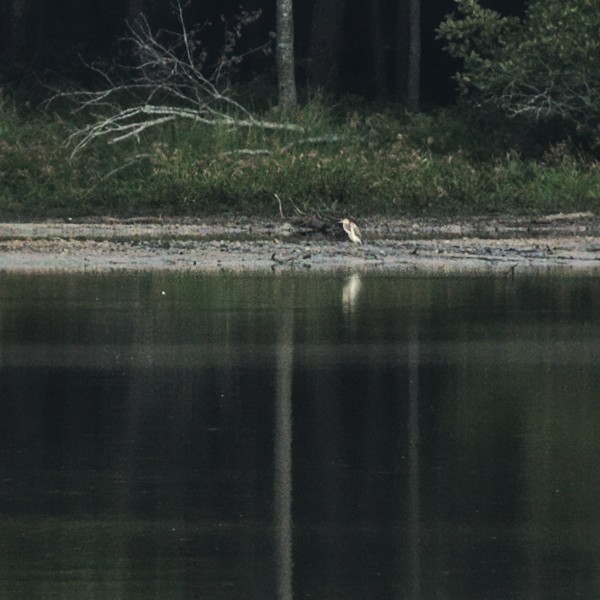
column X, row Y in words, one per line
column 342, row 46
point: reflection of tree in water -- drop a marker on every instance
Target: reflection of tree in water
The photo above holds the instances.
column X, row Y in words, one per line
column 283, row 454
column 414, row 477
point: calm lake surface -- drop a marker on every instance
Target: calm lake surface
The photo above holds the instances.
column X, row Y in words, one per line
column 299, row 436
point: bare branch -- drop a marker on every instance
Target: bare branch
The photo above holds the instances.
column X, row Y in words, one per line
column 548, row 93
column 169, row 81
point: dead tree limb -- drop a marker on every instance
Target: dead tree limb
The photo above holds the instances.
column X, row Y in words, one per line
column 169, row 81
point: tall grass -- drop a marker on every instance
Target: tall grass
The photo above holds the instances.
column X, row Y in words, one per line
column 348, row 161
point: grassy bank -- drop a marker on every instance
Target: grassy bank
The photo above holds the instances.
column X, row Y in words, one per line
column 371, row 162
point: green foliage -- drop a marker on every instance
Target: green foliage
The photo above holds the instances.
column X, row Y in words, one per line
column 477, row 36
column 366, row 162
column 543, row 67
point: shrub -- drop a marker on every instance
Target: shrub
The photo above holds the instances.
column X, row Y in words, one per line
column 545, row 66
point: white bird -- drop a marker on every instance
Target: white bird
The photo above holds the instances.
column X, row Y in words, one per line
column 350, row 293
column 351, row 228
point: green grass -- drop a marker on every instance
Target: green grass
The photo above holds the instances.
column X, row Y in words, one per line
column 385, row 162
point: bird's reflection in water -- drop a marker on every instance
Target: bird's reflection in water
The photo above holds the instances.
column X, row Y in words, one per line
column 351, row 292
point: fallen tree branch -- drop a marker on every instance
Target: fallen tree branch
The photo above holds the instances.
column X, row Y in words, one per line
column 169, row 82
column 263, row 151
column 126, row 123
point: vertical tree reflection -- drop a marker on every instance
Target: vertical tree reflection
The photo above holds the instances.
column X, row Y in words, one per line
column 283, row 454
column 414, row 501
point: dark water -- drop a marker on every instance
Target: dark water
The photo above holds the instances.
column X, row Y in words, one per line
column 177, row 436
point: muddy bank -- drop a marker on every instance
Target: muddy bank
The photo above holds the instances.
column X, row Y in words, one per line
column 556, row 243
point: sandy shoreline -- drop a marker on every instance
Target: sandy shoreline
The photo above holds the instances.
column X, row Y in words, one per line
column 554, row 243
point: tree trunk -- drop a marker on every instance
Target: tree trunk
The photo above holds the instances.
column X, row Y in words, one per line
column 401, row 50
column 414, row 56
column 15, row 15
column 325, row 43
column 377, row 47
column 286, row 76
